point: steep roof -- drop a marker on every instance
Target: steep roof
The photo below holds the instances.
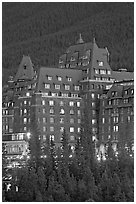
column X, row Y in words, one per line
column 76, row 76
column 121, row 75
column 25, row 70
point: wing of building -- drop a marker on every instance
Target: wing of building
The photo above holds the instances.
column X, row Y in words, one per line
column 56, row 98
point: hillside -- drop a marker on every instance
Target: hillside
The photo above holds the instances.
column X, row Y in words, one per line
column 45, row 30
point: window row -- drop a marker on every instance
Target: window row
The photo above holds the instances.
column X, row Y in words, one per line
column 62, row 120
column 52, row 103
column 60, row 94
column 117, row 119
column 7, row 112
column 59, row 78
column 58, row 86
column 71, row 129
column 52, row 137
column 62, row 111
column 116, row 101
column 102, row 71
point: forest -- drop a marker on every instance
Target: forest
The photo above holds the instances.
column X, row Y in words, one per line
column 45, row 30
column 64, row 175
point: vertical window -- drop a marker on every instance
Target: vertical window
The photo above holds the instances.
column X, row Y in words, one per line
column 93, row 104
column 79, row 120
column 25, row 111
column 43, row 102
column 62, row 111
column 61, row 120
column 52, row 137
column 51, row 111
column 51, row 120
column 51, row 103
column 103, row 120
column 43, row 110
column 71, row 120
column 71, row 129
column 108, row 72
column 71, row 103
column 93, row 121
column 44, row 120
column 78, row 129
column 44, row 128
column 61, row 129
column 92, row 95
column 78, row 112
column 71, row 112
column 25, row 120
column 61, row 103
column 76, row 88
column 51, row 129
column 78, row 104
column 25, row 102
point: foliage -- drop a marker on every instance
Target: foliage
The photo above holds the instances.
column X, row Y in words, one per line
column 45, row 31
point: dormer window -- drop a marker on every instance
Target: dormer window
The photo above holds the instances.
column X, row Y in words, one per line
column 76, row 88
column 24, row 66
column 100, row 63
column 47, row 86
column 49, row 78
column 108, row 72
column 67, row 87
column 59, row 78
column 27, row 94
column 102, row 71
column 72, row 59
column 57, row 86
column 69, row 79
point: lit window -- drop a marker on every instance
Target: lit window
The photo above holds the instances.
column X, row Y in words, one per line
column 51, row 129
column 51, row 103
column 92, row 95
column 44, row 137
column 69, row 79
column 51, row 111
column 61, row 120
column 76, row 88
column 59, row 78
column 78, row 129
column 44, row 128
column 25, row 102
column 109, row 102
column 61, row 129
column 27, row 94
column 71, row 112
column 102, row 71
column 25, row 111
column 61, row 103
column 43, row 102
column 93, row 104
column 3, row 111
column 79, row 120
column 78, row 112
column 100, row 63
column 44, row 111
column 71, row 103
column 52, row 137
column 71, row 120
column 72, row 137
column 47, row 86
column 67, row 87
column 132, row 91
column 71, row 129
column 25, row 129
column 25, row 120
column 108, row 72
column 54, row 94
column 103, row 120
column 74, row 95
column 93, row 121
column 115, row 128
column 126, row 92
column 64, row 95
column 57, row 86
column 51, row 120
column 44, row 120
column 78, row 104
column 128, row 118
column 49, row 78
column 62, row 111
column 96, row 71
